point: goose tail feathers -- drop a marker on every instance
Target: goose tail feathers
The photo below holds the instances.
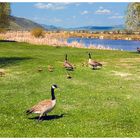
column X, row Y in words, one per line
column 28, row 112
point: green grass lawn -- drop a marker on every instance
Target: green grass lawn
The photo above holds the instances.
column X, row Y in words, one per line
column 94, row 103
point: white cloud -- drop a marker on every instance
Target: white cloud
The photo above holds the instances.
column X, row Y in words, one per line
column 101, row 10
column 116, row 17
column 84, row 12
column 51, row 6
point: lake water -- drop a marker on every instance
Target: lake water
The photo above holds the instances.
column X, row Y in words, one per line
column 128, row 45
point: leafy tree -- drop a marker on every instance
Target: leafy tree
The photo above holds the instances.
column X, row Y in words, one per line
column 5, row 11
column 133, row 17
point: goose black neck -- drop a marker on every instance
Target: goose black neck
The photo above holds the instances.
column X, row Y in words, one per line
column 89, row 55
column 66, row 57
column 52, row 93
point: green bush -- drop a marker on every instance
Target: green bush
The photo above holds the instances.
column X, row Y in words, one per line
column 37, row 32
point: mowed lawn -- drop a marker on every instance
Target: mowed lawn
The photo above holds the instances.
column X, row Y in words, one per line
column 94, row 103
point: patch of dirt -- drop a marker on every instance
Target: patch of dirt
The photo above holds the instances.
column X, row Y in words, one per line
column 127, row 60
column 121, row 74
column 126, row 65
column 2, row 72
column 78, row 82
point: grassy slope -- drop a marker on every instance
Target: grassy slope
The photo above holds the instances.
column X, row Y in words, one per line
column 94, row 103
column 17, row 23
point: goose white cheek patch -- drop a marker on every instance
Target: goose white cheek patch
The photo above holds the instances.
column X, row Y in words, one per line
column 53, row 87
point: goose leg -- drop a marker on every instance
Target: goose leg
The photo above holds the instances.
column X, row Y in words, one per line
column 40, row 116
column 94, row 68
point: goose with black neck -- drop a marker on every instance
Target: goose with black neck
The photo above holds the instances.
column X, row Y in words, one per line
column 67, row 64
column 93, row 64
column 45, row 106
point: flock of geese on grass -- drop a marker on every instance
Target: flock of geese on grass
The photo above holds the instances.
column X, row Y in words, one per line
column 45, row 106
column 92, row 63
column 70, row 67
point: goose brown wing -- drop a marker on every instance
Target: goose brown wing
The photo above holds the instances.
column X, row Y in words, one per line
column 92, row 62
column 95, row 63
column 68, row 65
column 40, row 107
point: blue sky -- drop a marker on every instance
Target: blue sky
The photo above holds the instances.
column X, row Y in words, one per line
column 72, row 14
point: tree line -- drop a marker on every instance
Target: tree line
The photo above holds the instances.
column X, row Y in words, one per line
column 5, row 11
column 132, row 21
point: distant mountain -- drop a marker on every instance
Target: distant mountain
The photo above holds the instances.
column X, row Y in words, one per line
column 99, row 28
column 86, row 28
column 17, row 23
column 51, row 27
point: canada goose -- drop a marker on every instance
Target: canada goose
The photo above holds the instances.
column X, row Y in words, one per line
column 44, row 106
column 74, row 66
column 2, row 72
column 50, row 68
column 84, row 64
column 69, row 76
column 39, row 69
column 67, row 65
column 94, row 64
column 138, row 49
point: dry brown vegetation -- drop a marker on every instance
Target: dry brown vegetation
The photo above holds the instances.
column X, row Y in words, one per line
column 37, row 32
column 49, row 38
column 100, row 35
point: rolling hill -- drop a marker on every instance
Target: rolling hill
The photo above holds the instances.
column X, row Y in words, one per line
column 17, row 23
column 51, row 27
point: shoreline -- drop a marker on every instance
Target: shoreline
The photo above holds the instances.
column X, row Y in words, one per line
column 52, row 39
column 59, row 39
